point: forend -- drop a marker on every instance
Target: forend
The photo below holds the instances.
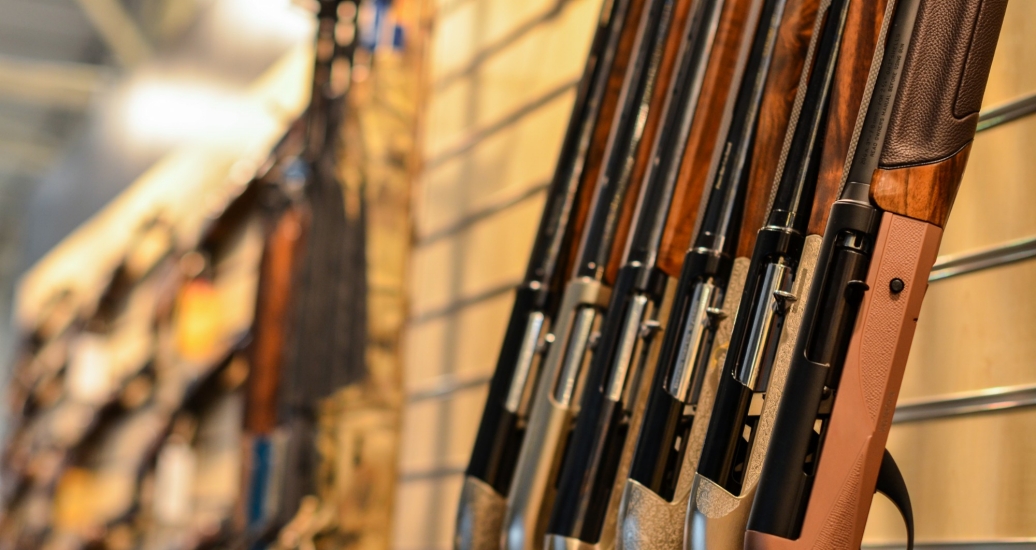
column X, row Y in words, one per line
column 944, row 79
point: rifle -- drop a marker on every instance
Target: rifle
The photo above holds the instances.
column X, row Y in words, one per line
column 785, row 251
column 532, row 488
column 502, row 428
column 914, row 135
column 612, row 403
column 713, row 274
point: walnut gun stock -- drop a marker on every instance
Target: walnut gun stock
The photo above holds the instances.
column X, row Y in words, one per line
column 828, row 453
column 758, row 108
column 643, row 515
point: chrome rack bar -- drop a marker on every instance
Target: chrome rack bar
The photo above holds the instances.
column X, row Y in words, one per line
column 982, row 401
column 970, row 262
column 1013, row 544
column 1008, row 112
column 445, row 386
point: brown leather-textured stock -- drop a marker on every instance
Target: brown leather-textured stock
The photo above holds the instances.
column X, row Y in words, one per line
column 702, row 139
column 944, row 79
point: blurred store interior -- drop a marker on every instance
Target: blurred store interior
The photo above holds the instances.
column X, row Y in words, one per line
column 151, row 154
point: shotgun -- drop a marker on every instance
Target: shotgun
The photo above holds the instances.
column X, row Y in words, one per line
column 583, row 303
column 914, row 134
column 586, row 507
column 759, row 107
column 502, row 428
column 785, row 250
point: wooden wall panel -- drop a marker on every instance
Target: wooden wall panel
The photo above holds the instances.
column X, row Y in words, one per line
column 500, row 169
column 486, row 257
column 436, row 346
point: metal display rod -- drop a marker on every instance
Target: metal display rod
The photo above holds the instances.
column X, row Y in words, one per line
column 1008, row 112
column 970, row 262
column 962, row 404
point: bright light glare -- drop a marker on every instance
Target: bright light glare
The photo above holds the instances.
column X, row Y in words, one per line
column 172, row 112
column 266, row 18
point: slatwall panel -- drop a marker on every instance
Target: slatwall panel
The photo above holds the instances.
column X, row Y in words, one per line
column 500, row 82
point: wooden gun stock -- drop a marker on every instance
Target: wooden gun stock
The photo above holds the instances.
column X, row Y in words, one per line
column 701, row 143
column 654, row 119
column 862, row 30
column 594, row 162
column 795, row 34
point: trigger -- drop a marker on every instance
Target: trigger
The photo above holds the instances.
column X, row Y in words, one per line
column 891, row 484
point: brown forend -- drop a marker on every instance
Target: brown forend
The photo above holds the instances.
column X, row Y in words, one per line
column 702, row 138
column 654, row 119
column 602, row 128
column 924, row 192
column 782, row 84
column 862, row 29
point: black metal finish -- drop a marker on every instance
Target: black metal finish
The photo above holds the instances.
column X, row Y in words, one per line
column 627, row 133
column 830, row 314
column 668, row 419
column 589, row 471
column 500, row 434
column 778, row 246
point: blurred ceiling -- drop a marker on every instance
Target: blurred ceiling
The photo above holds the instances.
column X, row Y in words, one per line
column 74, row 78
column 67, row 70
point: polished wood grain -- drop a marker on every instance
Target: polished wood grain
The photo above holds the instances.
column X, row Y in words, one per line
column 701, row 140
column 666, row 68
column 602, row 129
column 923, row 192
column 782, row 84
column 862, row 27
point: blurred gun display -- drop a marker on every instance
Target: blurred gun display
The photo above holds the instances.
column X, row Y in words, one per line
column 827, row 454
column 327, row 330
